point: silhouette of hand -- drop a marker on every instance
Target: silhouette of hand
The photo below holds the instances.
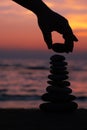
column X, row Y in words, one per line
column 55, row 22
column 49, row 21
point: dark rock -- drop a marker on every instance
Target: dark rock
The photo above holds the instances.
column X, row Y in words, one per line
column 62, row 68
column 57, row 58
column 58, row 90
column 61, row 107
column 59, row 47
column 62, row 63
column 58, row 77
column 55, row 71
column 59, row 84
column 57, row 98
column 58, row 93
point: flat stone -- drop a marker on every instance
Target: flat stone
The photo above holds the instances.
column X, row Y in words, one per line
column 62, row 63
column 59, row 47
column 56, row 98
column 57, row 58
column 60, row 107
column 59, row 84
column 58, row 68
column 59, row 71
column 58, row 90
column 58, row 77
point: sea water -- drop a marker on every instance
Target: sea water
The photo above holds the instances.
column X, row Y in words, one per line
column 23, row 81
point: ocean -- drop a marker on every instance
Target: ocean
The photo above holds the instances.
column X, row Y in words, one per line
column 23, row 81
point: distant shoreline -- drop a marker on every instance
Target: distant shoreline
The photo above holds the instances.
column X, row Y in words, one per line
column 40, row 54
column 34, row 119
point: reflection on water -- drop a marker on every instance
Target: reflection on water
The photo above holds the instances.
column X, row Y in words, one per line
column 22, row 82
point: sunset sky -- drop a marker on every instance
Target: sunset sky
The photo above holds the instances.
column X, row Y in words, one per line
column 19, row 28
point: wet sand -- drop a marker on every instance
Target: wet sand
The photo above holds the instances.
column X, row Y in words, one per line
column 34, row 119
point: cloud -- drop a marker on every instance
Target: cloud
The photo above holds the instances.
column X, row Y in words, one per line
column 63, row 7
column 11, row 8
column 69, row 6
column 75, row 11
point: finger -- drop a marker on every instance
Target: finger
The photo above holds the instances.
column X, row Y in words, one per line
column 69, row 45
column 48, row 39
column 68, row 33
column 75, row 38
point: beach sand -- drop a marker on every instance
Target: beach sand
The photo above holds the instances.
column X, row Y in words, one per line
column 34, row 119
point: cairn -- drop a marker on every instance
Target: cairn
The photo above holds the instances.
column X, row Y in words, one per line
column 58, row 97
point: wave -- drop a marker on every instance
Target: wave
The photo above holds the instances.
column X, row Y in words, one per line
column 4, row 65
column 9, row 65
column 38, row 67
column 82, row 98
column 80, row 68
column 3, row 90
column 23, row 66
column 6, row 97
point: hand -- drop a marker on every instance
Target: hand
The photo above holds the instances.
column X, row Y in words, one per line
column 55, row 22
column 50, row 21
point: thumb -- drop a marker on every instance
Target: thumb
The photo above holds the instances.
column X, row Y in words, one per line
column 75, row 38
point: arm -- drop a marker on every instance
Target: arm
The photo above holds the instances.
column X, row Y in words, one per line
column 24, row 3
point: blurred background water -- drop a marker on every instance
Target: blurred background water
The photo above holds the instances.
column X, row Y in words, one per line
column 23, row 81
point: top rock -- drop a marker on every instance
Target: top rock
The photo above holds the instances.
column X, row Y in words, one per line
column 59, row 48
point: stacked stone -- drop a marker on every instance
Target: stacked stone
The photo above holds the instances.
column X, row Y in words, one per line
column 58, row 96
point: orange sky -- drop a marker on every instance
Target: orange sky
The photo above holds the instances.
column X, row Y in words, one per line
column 19, row 28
